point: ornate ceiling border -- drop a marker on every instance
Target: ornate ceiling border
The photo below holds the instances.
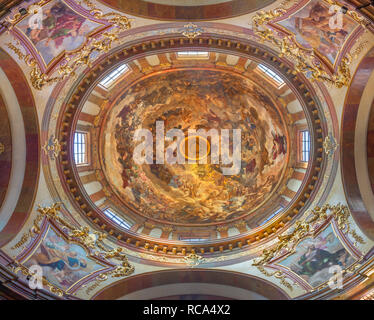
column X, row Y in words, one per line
column 100, row 39
column 309, row 227
column 114, row 261
column 255, row 53
column 153, row 10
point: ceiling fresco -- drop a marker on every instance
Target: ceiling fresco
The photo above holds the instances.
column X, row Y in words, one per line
column 196, row 193
column 313, row 258
column 313, row 28
column 187, row 10
column 61, row 29
column 62, row 263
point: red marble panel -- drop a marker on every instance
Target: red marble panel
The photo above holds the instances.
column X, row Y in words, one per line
column 159, row 11
column 158, row 278
column 30, row 118
column 5, row 150
column 347, row 139
column 370, row 146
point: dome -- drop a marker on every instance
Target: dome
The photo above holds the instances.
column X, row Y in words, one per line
column 198, row 189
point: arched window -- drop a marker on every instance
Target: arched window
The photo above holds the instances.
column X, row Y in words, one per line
column 80, row 148
column 116, row 219
column 193, row 55
column 272, row 75
column 305, row 145
column 112, row 77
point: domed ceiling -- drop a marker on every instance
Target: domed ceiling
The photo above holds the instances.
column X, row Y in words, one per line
column 195, row 148
column 187, row 10
column 201, row 192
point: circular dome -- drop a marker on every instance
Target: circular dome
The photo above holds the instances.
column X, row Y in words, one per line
column 215, row 106
column 187, row 10
column 182, row 207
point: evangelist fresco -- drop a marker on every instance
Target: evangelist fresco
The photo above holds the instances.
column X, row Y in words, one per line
column 63, row 264
column 196, row 193
column 312, row 30
column 314, row 257
column 61, row 29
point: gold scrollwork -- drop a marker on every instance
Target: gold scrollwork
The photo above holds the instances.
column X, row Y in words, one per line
column 71, row 61
column 277, row 274
column 191, row 31
column 98, row 280
column 341, row 215
column 330, row 145
column 306, row 61
column 26, row 272
column 92, row 241
column 52, row 147
column 193, row 260
column 287, row 243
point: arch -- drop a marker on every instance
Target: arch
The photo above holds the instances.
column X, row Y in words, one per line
column 27, row 106
column 253, row 285
column 200, row 10
column 349, row 130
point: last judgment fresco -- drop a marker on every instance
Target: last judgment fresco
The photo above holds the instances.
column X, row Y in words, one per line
column 195, row 193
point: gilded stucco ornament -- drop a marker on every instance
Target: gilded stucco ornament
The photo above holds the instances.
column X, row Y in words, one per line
column 26, row 272
column 92, row 241
column 2, row 148
column 305, row 228
column 193, row 260
column 191, row 30
column 52, row 147
column 330, row 145
column 305, row 61
column 72, row 60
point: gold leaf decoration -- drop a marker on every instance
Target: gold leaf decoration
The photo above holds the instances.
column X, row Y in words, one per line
column 330, row 145
column 277, row 274
column 287, row 243
column 305, row 61
column 92, row 241
column 52, row 147
column 341, row 215
column 191, row 31
column 193, row 260
column 82, row 57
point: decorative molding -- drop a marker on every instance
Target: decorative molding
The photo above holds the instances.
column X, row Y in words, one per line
column 91, row 241
column 193, row 260
column 2, row 148
column 305, row 228
column 52, row 147
column 306, row 61
column 70, row 61
column 277, row 274
column 191, row 31
column 330, row 145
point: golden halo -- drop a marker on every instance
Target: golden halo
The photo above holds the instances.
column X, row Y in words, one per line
column 186, row 142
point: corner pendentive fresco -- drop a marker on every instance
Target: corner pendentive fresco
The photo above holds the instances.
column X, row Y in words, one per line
column 63, row 264
column 313, row 258
column 317, row 27
column 60, row 29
